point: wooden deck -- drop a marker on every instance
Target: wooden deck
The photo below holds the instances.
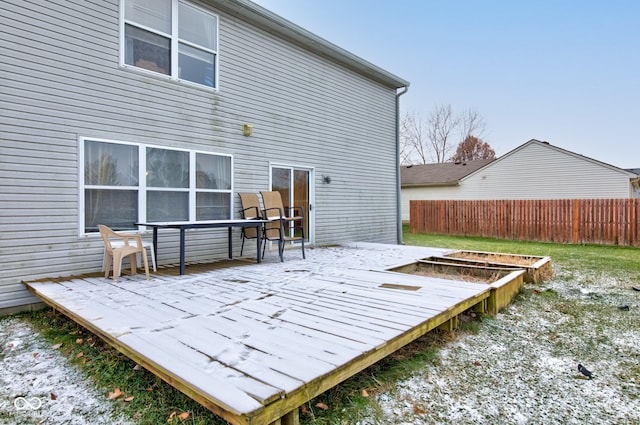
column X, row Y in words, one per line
column 254, row 343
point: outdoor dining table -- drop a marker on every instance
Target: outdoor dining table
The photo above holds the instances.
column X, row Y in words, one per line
column 209, row 224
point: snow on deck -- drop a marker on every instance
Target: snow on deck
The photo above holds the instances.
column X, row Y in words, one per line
column 254, row 341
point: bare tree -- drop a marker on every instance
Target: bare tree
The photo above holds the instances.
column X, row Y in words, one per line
column 471, row 124
column 435, row 139
column 441, row 128
column 412, row 140
column 472, row 148
column 406, row 150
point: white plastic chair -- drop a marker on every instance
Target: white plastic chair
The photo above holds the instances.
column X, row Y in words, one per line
column 116, row 255
column 147, row 245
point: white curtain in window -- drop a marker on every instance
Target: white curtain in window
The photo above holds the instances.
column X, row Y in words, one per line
column 154, row 14
column 213, row 172
column 197, row 27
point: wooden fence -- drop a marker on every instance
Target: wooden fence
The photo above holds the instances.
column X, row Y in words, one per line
column 598, row 221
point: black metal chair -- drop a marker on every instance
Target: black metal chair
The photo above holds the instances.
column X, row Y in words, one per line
column 286, row 223
column 250, row 210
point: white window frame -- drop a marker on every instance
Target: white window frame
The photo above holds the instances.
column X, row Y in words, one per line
column 174, row 42
column 142, row 181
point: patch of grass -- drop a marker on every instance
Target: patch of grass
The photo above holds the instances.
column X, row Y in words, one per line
column 471, row 327
column 153, row 400
column 549, row 293
column 618, row 261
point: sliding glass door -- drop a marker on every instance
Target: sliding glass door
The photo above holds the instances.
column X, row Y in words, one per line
column 294, row 184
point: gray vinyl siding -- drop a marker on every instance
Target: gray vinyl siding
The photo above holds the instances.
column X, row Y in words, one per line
column 538, row 171
column 60, row 79
column 534, row 171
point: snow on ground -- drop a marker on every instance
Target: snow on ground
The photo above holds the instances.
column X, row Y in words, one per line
column 38, row 386
column 521, row 367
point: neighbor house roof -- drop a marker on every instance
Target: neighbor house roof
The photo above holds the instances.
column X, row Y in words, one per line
column 548, row 145
column 275, row 24
column 442, row 174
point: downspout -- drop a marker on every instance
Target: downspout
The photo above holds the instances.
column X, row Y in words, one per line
column 398, row 176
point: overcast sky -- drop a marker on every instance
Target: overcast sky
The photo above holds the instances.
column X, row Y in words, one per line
column 566, row 72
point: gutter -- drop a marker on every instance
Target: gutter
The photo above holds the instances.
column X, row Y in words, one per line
column 398, row 175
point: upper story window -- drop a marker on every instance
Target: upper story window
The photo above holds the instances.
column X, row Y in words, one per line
column 171, row 37
column 125, row 183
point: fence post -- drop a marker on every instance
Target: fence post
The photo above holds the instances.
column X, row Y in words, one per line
column 633, row 221
column 576, row 220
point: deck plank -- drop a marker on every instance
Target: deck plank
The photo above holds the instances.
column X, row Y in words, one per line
column 241, row 355
column 192, row 369
column 254, row 340
column 237, row 356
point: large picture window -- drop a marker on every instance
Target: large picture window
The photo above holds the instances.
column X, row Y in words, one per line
column 171, row 37
column 122, row 184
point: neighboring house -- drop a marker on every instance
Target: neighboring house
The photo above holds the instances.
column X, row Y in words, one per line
column 637, row 187
column 118, row 111
column 418, row 179
column 534, row 170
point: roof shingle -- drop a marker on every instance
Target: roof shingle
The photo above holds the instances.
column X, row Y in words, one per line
column 442, row 174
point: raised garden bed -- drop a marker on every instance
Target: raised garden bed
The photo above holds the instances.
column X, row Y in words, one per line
column 505, row 282
column 537, row 268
